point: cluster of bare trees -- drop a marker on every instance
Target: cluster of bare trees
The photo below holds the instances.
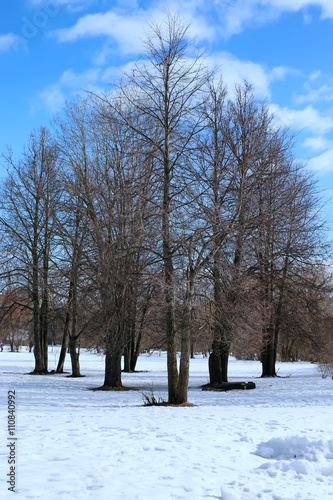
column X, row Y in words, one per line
column 165, row 214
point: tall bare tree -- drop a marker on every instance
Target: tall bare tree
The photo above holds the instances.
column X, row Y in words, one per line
column 288, row 242
column 165, row 89
column 28, row 204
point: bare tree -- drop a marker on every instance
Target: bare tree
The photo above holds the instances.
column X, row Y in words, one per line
column 72, row 224
column 15, row 317
column 236, row 148
column 165, row 89
column 28, row 202
column 288, row 243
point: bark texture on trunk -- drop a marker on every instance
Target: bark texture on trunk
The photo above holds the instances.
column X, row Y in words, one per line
column 73, row 347
column 214, row 363
column 39, row 356
column 224, row 356
column 268, row 355
column 112, row 378
column 184, row 366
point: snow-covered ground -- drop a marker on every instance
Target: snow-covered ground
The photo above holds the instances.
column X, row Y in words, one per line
column 273, row 443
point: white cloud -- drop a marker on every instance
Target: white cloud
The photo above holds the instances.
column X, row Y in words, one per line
column 323, row 93
column 200, row 28
column 52, row 98
column 104, row 54
column 127, row 28
column 85, row 80
column 317, row 143
column 126, row 31
column 281, row 72
column 315, row 75
column 308, row 118
column 322, row 163
column 112, row 74
column 124, row 23
column 69, row 84
column 237, row 15
column 235, row 71
column 9, row 42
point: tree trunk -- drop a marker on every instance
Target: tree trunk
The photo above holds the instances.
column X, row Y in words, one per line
column 268, row 357
column 137, row 344
column 172, row 370
column 38, row 348
column 112, row 378
column 216, row 358
column 65, row 338
column 44, row 329
column 219, row 359
column 214, row 363
column 129, row 323
column 224, row 356
column 64, row 345
column 11, row 342
column 136, row 352
column 133, row 328
column 73, row 336
column 170, row 329
column 114, row 349
column 192, row 348
column 127, row 359
column 75, row 356
column 44, row 321
column 167, row 254
column 184, row 367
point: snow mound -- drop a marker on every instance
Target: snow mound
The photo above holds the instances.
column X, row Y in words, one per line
column 294, row 447
column 297, row 455
column 227, row 495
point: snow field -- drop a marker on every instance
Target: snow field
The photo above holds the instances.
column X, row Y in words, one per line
column 273, row 443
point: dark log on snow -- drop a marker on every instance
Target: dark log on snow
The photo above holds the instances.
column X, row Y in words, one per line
column 228, row 386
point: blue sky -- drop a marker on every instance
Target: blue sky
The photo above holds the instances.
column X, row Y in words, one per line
column 52, row 49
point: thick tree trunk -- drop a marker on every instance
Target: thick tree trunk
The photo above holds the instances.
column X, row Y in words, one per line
column 113, row 355
column 172, row 370
column 219, row 359
column 268, row 357
column 184, row 367
column 214, row 363
column 170, row 331
column 224, row 356
column 216, row 358
column 75, row 356
column 112, row 378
